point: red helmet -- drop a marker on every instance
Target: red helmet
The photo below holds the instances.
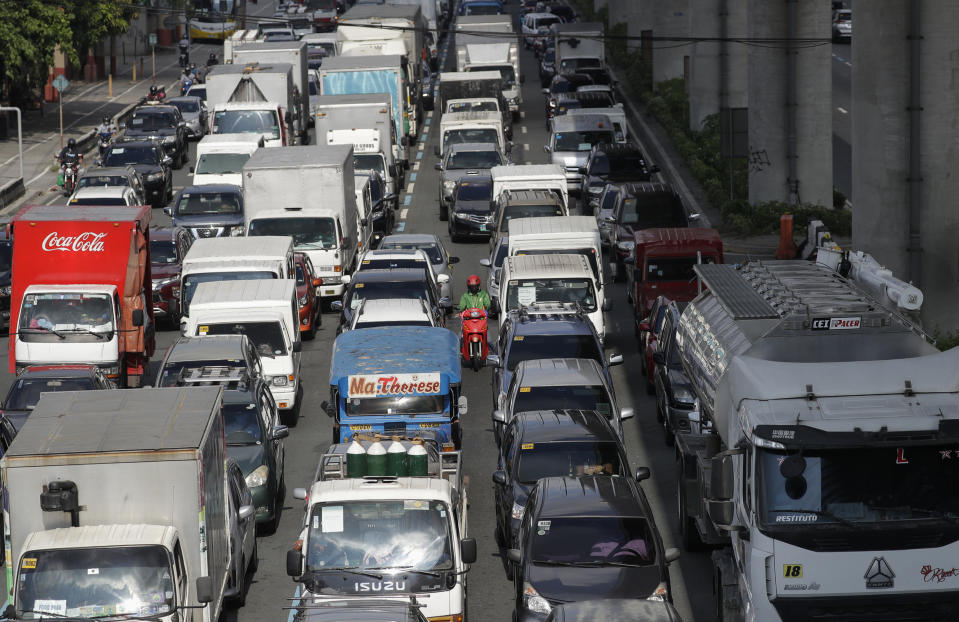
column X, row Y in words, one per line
column 473, row 280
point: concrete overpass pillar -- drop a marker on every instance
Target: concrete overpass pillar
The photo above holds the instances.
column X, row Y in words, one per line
column 627, row 12
column 670, row 19
column 718, row 72
column 790, row 128
column 898, row 139
column 599, row 4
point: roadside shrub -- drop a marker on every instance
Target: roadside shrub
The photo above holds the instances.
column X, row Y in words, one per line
column 743, row 218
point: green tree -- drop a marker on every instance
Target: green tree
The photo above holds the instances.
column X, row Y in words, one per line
column 30, row 30
column 93, row 20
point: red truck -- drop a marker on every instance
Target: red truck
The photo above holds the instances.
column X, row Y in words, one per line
column 664, row 260
column 81, row 290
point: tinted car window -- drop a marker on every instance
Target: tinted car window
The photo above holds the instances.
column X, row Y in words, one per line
column 538, row 460
column 550, row 398
column 26, row 393
column 163, row 251
column 534, row 347
column 624, row 540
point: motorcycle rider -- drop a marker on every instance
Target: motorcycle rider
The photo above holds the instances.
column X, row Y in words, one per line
column 107, row 126
column 184, row 46
column 474, row 297
column 186, row 81
column 212, row 60
column 69, row 155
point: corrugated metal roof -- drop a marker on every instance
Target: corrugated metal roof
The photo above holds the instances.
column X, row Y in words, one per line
column 218, row 249
column 347, row 63
column 735, row 295
column 251, row 292
column 553, row 225
column 299, row 156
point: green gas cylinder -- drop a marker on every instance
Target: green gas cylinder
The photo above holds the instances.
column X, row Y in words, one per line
column 417, row 459
column 396, row 458
column 376, row 459
column 356, row 459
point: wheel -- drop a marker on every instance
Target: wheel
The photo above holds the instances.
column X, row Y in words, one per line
column 475, row 362
column 444, row 212
column 311, row 333
column 240, row 599
column 718, row 592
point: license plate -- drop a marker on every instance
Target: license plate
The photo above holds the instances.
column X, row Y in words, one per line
column 394, row 428
column 329, row 292
column 482, row 227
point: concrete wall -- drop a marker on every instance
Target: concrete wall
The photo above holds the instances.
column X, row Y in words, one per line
column 880, row 147
column 629, row 12
column 768, row 131
column 706, row 81
column 598, row 4
column 670, row 19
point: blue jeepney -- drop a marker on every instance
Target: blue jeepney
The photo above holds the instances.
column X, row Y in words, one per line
column 396, row 380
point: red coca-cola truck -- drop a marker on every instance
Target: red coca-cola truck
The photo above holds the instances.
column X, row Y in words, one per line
column 663, row 264
column 81, row 290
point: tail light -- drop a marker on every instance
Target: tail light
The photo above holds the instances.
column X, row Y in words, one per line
column 475, row 338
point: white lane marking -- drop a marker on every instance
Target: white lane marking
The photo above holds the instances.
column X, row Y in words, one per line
column 39, row 175
column 842, row 110
column 404, row 212
column 416, row 165
column 525, row 146
column 522, row 129
column 409, row 188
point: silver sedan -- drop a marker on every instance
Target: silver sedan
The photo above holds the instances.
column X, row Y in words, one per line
column 194, row 114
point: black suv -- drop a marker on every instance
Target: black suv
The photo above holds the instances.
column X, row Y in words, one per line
column 164, row 124
column 471, row 212
column 550, row 443
column 675, row 398
column 644, row 205
column 587, row 537
column 150, row 160
column 612, row 163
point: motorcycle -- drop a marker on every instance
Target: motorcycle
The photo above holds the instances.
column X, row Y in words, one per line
column 69, row 171
column 103, row 142
column 185, row 86
column 159, row 96
column 474, row 347
column 184, row 56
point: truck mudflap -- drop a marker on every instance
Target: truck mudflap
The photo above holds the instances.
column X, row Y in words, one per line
column 729, row 603
column 136, row 366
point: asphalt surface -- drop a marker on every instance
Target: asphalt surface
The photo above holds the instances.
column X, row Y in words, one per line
column 490, row 594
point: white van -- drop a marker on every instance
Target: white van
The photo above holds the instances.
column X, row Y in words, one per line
column 577, row 235
column 220, row 158
column 364, row 211
column 563, row 278
column 267, row 313
column 234, row 259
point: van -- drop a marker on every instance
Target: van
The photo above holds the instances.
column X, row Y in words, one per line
column 520, row 204
column 234, row 259
column 364, row 208
column 563, row 278
column 472, row 127
column 220, row 158
column 577, row 235
column 571, row 139
column 266, row 311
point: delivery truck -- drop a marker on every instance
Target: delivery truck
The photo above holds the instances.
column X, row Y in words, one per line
column 482, row 52
column 471, row 85
column 81, row 290
column 257, row 99
column 293, row 53
column 307, row 193
column 115, row 506
column 578, row 45
column 366, row 122
column 349, row 75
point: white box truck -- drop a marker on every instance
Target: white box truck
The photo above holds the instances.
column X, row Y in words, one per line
column 295, row 54
column 307, row 193
column 115, row 506
column 472, row 127
column 579, row 44
column 266, row 311
column 578, row 235
column 477, row 52
column 220, row 158
column 257, row 99
column 364, row 120
column 530, row 177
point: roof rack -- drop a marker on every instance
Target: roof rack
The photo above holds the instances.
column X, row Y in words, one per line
column 549, row 310
column 213, row 374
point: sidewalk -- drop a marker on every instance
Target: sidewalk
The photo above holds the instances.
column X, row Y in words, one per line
column 84, row 106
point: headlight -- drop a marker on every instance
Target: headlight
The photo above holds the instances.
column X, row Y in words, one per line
column 258, row 476
column 154, row 177
column 597, row 190
column 279, row 381
column 449, row 185
column 168, row 140
column 659, row 593
column 236, row 232
column 461, row 216
column 161, row 283
column 517, row 511
column 5, row 291
column 302, row 300
column 535, row 602
column 626, row 247
column 684, row 397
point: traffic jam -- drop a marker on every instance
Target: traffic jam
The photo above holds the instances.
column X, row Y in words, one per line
column 372, row 337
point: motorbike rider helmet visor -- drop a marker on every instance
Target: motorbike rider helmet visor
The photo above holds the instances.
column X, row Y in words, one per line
column 72, row 143
column 473, row 284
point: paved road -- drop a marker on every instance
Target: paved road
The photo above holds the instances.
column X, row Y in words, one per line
column 490, row 596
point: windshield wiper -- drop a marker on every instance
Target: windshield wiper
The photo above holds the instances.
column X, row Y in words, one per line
column 550, row 562
column 89, row 331
column 47, row 330
column 357, row 570
column 823, row 514
column 435, row 575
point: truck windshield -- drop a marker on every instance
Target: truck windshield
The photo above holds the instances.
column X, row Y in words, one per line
column 406, row 405
column 95, row 582
column 473, row 159
column 537, row 460
column 674, row 268
column 306, row 232
column 221, row 163
column 190, row 281
column 527, row 211
column 246, row 122
column 547, row 398
column 267, row 336
column 527, row 291
column 506, row 72
column 470, row 135
column 26, row 392
column 860, row 485
column 355, row 535
column 581, row 141
column 194, row 203
column 594, row 540
column 65, row 316
column 535, row 347
column 369, row 162
column 653, row 211
column 572, row 65
column 467, row 106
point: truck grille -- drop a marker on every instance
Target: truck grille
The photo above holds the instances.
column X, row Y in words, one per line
column 208, row 232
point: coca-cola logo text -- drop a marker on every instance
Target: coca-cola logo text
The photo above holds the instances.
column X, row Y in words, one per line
column 86, row 242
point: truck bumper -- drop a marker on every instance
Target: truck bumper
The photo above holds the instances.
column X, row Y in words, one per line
column 285, row 397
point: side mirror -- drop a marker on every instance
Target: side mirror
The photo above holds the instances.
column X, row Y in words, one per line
column 626, row 412
column 345, row 279
column 721, row 513
column 299, row 493
column 278, row 432
column 336, row 305
column 436, row 150
column 607, row 304
column 404, row 141
column 442, row 278
column 325, row 405
column 642, row 474
column 137, row 317
column 468, row 550
column 192, row 169
column 485, row 262
column 492, row 360
column 545, row 91
column 721, row 478
column 288, row 117
column 581, row 169
column 658, row 358
column 509, row 146
column 452, row 259
column 445, row 303
column 462, row 405
column 695, row 216
column 499, row 416
column 499, row 478
column 364, row 222
column 297, row 346
column 204, row 589
column 615, row 359
column 168, row 211
column 294, row 563
column 438, row 166
column 166, row 161
column 245, row 512
column 546, row 148
column 515, row 556
column 610, row 220
column 671, row 555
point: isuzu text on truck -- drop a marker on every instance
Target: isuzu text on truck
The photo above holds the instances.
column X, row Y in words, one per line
column 82, row 289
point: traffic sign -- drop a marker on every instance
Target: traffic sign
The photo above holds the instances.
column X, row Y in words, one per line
column 60, row 83
column 153, row 39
